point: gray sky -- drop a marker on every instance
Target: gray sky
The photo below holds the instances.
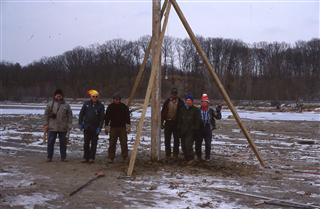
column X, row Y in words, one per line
column 34, row 29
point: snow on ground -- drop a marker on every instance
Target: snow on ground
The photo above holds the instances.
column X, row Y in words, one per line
column 176, row 190
column 33, row 200
column 12, row 178
column 7, row 110
column 282, row 116
column 184, row 191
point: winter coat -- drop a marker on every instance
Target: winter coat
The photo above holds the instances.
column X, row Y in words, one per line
column 189, row 119
column 58, row 116
column 213, row 114
column 117, row 115
column 164, row 110
column 91, row 115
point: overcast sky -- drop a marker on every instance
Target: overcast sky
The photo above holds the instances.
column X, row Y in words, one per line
column 34, row 29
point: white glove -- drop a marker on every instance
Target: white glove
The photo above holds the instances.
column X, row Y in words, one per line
column 107, row 129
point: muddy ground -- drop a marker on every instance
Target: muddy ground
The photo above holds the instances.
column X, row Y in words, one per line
column 290, row 148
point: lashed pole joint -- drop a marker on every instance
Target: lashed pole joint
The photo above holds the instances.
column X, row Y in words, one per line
column 144, row 62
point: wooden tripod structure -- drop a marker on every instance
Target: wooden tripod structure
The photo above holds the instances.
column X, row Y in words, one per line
column 155, row 44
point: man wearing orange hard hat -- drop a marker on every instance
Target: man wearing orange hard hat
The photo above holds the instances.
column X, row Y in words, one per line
column 208, row 124
column 91, row 120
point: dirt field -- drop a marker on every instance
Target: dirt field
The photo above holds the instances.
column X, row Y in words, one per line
column 290, row 148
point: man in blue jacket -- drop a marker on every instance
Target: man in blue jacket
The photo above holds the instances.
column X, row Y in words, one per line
column 91, row 119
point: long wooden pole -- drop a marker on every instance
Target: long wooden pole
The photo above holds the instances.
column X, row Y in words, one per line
column 216, row 79
column 156, row 90
column 148, row 94
column 144, row 62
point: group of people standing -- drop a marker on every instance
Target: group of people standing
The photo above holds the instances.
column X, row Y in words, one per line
column 187, row 124
column 92, row 117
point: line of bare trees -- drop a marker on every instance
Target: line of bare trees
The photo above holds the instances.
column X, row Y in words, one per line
column 272, row 71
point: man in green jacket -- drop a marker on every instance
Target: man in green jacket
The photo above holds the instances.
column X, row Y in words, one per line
column 57, row 122
column 188, row 125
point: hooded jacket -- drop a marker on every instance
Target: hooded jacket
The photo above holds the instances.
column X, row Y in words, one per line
column 62, row 121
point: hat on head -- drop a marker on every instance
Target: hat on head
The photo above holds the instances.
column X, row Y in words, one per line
column 204, row 98
column 189, row 96
column 174, row 91
column 93, row 92
column 58, row 91
column 116, row 96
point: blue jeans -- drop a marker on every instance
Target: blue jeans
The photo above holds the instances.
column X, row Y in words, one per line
column 52, row 135
column 205, row 134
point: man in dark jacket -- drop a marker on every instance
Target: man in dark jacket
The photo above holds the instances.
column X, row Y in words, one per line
column 169, row 116
column 208, row 116
column 91, row 121
column 57, row 122
column 188, row 126
column 117, row 122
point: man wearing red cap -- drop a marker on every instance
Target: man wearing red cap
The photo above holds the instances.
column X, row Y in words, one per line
column 91, row 119
column 208, row 116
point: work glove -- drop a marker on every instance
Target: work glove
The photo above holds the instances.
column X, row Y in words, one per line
column 107, row 129
column 45, row 128
column 128, row 128
column 67, row 137
column 218, row 108
column 98, row 130
column 81, row 127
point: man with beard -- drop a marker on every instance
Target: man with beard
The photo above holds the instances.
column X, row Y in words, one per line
column 58, row 122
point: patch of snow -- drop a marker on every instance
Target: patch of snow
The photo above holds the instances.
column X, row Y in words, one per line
column 236, row 130
column 31, row 201
column 21, row 149
column 187, row 192
column 260, row 133
column 282, row 116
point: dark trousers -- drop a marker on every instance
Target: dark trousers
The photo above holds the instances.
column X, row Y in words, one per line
column 90, row 144
column 52, row 136
column 116, row 133
column 206, row 135
column 169, row 130
column 187, row 141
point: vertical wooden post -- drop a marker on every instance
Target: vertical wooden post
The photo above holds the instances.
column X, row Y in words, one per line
column 148, row 93
column 216, row 79
column 156, row 91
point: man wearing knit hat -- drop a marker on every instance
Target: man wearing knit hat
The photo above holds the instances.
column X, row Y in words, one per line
column 58, row 122
column 169, row 115
column 208, row 116
column 117, row 123
column 90, row 122
column 188, row 127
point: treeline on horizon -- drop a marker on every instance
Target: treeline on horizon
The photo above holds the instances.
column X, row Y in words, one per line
column 259, row 71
